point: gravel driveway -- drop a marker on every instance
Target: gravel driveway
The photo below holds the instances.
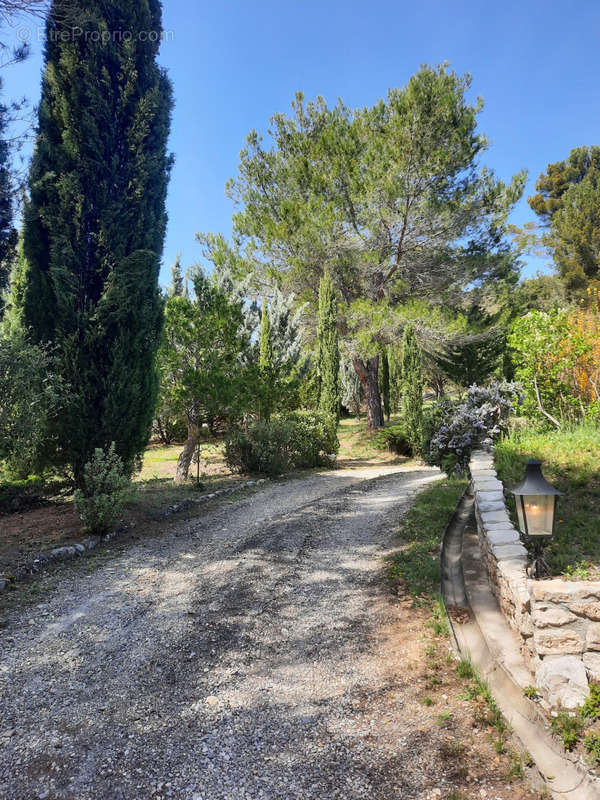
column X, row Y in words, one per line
column 251, row 653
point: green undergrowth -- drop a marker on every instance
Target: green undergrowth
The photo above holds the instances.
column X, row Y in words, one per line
column 416, row 564
column 571, row 462
column 572, row 726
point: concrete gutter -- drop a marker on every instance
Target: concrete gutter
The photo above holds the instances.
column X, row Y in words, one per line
column 494, row 649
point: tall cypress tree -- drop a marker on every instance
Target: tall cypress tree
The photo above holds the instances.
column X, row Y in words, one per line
column 266, row 361
column 328, row 356
column 95, row 222
column 412, row 388
column 177, row 286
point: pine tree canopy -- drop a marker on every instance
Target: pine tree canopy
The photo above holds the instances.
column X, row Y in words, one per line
column 95, row 222
column 559, row 176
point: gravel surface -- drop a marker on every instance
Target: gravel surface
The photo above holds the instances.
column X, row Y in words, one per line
column 253, row 653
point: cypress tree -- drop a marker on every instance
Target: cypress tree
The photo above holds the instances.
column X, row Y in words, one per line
column 176, row 289
column 385, row 382
column 412, row 388
column 328, row 355
column 266, row 361
column 95, row 222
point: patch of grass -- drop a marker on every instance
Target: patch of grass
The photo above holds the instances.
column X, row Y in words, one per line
column 357, row 443
column 569, row 727
column 444, row 718
column 531, row 692
column 465, row 669
column 591, row 744
column 591, row 707
column 417, row 562
column 571, row 461
column 427, row 701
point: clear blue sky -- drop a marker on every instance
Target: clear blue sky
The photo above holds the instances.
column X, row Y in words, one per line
column 233, row 64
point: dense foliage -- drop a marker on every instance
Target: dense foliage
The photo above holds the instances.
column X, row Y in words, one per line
column 478, row 418
column 206, row 361
column 412, row 389
column 103, row 490
column 557, row 360
column 295, row 440
column 390, row 198
column 31, row 399
column 95, row 221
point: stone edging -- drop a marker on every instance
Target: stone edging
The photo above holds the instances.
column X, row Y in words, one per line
column 558, row 621
column 66, row 552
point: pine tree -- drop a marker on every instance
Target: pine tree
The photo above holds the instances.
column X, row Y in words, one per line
column 177, row 288
column 95, row 222
column 384, row 376
column 266, row 361
column 412, row 388
column 328, row 348
column 351, row 388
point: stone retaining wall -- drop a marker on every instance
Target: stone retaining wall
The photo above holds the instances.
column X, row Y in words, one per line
column 558, row 621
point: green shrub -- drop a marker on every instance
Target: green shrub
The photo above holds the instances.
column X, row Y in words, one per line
column 31, row 399
column 296, row 440
column 314, row 434
column 592, row 746
column 263, row 447
column 105, row 486
column 568, row 727
column 395, row 439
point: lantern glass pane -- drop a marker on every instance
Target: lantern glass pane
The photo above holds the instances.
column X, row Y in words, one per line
column 539, row 509
column 522, row 525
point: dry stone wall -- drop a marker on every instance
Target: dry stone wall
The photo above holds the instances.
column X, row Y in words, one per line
column 558, row 621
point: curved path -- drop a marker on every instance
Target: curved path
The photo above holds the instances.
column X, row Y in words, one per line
column 246, row 654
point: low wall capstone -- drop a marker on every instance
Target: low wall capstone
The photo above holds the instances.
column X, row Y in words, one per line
column 558, row 621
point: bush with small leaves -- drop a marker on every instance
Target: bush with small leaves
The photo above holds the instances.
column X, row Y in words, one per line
column 297, row 440
column 105, row 486
column 478, row 419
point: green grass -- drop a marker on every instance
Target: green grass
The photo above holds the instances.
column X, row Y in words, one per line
column 571, row 462
column 357, row 443
column 417, row 563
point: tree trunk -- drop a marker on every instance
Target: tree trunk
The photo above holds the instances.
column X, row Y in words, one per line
column 186, row 455
column 369, row 377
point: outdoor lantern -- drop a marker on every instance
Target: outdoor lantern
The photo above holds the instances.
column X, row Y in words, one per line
column 536, row 501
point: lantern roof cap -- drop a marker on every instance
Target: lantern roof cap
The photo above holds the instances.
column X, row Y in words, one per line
column 534, row 482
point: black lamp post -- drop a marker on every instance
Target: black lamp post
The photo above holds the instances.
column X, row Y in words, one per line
column 536, row 509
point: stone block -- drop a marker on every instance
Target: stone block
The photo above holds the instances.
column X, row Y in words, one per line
column 485, row 506
column 488, row 517
column 571, row 592
column 558, row 642
column 505, row 551
column 563, row 681
column 491, row 496
column 498, row 526
column 589, row 610
column 503, row 536
column 487, row 485
column 483, row 472
column 592, row 636
column 591, row 662
column 551, row 616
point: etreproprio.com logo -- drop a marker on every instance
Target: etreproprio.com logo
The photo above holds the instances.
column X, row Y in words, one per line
column 77, row 34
